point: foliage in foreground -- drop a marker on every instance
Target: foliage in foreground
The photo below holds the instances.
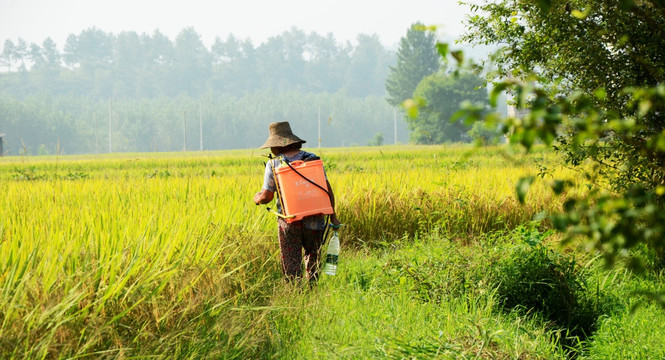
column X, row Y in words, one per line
column 438, row 298
column 537, row 279
column 590, row 77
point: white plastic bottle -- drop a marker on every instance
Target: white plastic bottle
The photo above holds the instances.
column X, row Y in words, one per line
column 333, row 254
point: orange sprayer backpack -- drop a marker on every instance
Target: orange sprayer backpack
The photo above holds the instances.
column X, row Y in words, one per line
column 303, row 190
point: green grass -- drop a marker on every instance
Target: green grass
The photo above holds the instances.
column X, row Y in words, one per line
column 437, row 298
column 165, row 256
column 627, row 335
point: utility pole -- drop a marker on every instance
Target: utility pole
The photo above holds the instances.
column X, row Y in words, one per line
column 184, row 131
column 395, row 123
column 200, row 127
column 110, row 143
column 94, row 117
column 319, row 127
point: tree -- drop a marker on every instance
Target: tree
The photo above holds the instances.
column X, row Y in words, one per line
column 271, row 64
column 367, row 67
column 50, row 54
column 295, row 41
column 193, row 63
column 281, row 64
column 417, row 57
column 600, row 92
column 92, row 50
column 158, row 48
column 485, row 134
column 326, row 61
column 21, row 53
column 158, row 62
column 248, row 67
column 588, row 46
column 225, row 51
column 234, row 65
column 36, row 56
column 45, row 63
column 377, row 140
column 69, row 52
column 127, row 63
column 8, row 52
column 442, row 95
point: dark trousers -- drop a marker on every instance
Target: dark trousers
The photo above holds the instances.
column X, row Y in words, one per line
column 293, row 239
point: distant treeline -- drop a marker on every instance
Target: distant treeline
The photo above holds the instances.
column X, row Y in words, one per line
column 154, row 94
column 100, row 64
column 75, row 124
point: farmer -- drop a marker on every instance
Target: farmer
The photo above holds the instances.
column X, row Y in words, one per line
column 306, row 233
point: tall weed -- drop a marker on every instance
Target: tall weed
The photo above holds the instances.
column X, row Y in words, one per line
column 534, row 279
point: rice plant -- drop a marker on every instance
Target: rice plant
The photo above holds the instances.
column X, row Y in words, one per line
column 166, row 255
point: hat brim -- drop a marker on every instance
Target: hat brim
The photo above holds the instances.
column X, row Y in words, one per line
column 278, row 141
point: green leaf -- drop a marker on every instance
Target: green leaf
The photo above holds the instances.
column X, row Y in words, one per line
column 645, row 107
column 600, row 93
column 569, row 205
column 580, row 14
column 522, row 188
column 492, row 119
column 626, row 4
column 544, row 5
column 460, row 114
column 411, row 106
column 458, row 55
column 660, row 141
column 527, row 138
column 442, row 48
column 559, row 186
column 559, row 221
column 419, row 27
column 496, row 92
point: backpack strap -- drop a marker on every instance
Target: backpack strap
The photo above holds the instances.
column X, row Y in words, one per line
column 309, row 157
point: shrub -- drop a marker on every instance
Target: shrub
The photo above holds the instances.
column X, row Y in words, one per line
column 483, row 134
column 533, row 278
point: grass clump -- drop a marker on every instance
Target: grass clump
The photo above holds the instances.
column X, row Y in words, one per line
column 430, row 298
column 506, row 295
column 637, row 335
column 536, row 279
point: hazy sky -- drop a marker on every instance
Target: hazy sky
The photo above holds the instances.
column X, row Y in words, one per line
column 35, row 20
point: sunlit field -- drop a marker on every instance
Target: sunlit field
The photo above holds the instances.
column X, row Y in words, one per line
column 165, row 255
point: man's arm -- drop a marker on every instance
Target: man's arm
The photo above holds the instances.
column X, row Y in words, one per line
column 263, row 197
column 333, row 217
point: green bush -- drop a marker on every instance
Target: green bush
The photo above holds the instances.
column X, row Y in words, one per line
column 483, row 133
column 535, row 279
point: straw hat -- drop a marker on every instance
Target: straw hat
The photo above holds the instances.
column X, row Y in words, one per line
column 280, row 135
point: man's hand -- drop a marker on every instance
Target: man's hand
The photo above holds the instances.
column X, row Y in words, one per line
column 263, row 197
column 334, row 222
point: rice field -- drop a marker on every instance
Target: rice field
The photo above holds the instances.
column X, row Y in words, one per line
column 165, row 255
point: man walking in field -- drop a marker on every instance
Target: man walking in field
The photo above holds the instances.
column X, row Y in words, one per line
column 305, row 234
